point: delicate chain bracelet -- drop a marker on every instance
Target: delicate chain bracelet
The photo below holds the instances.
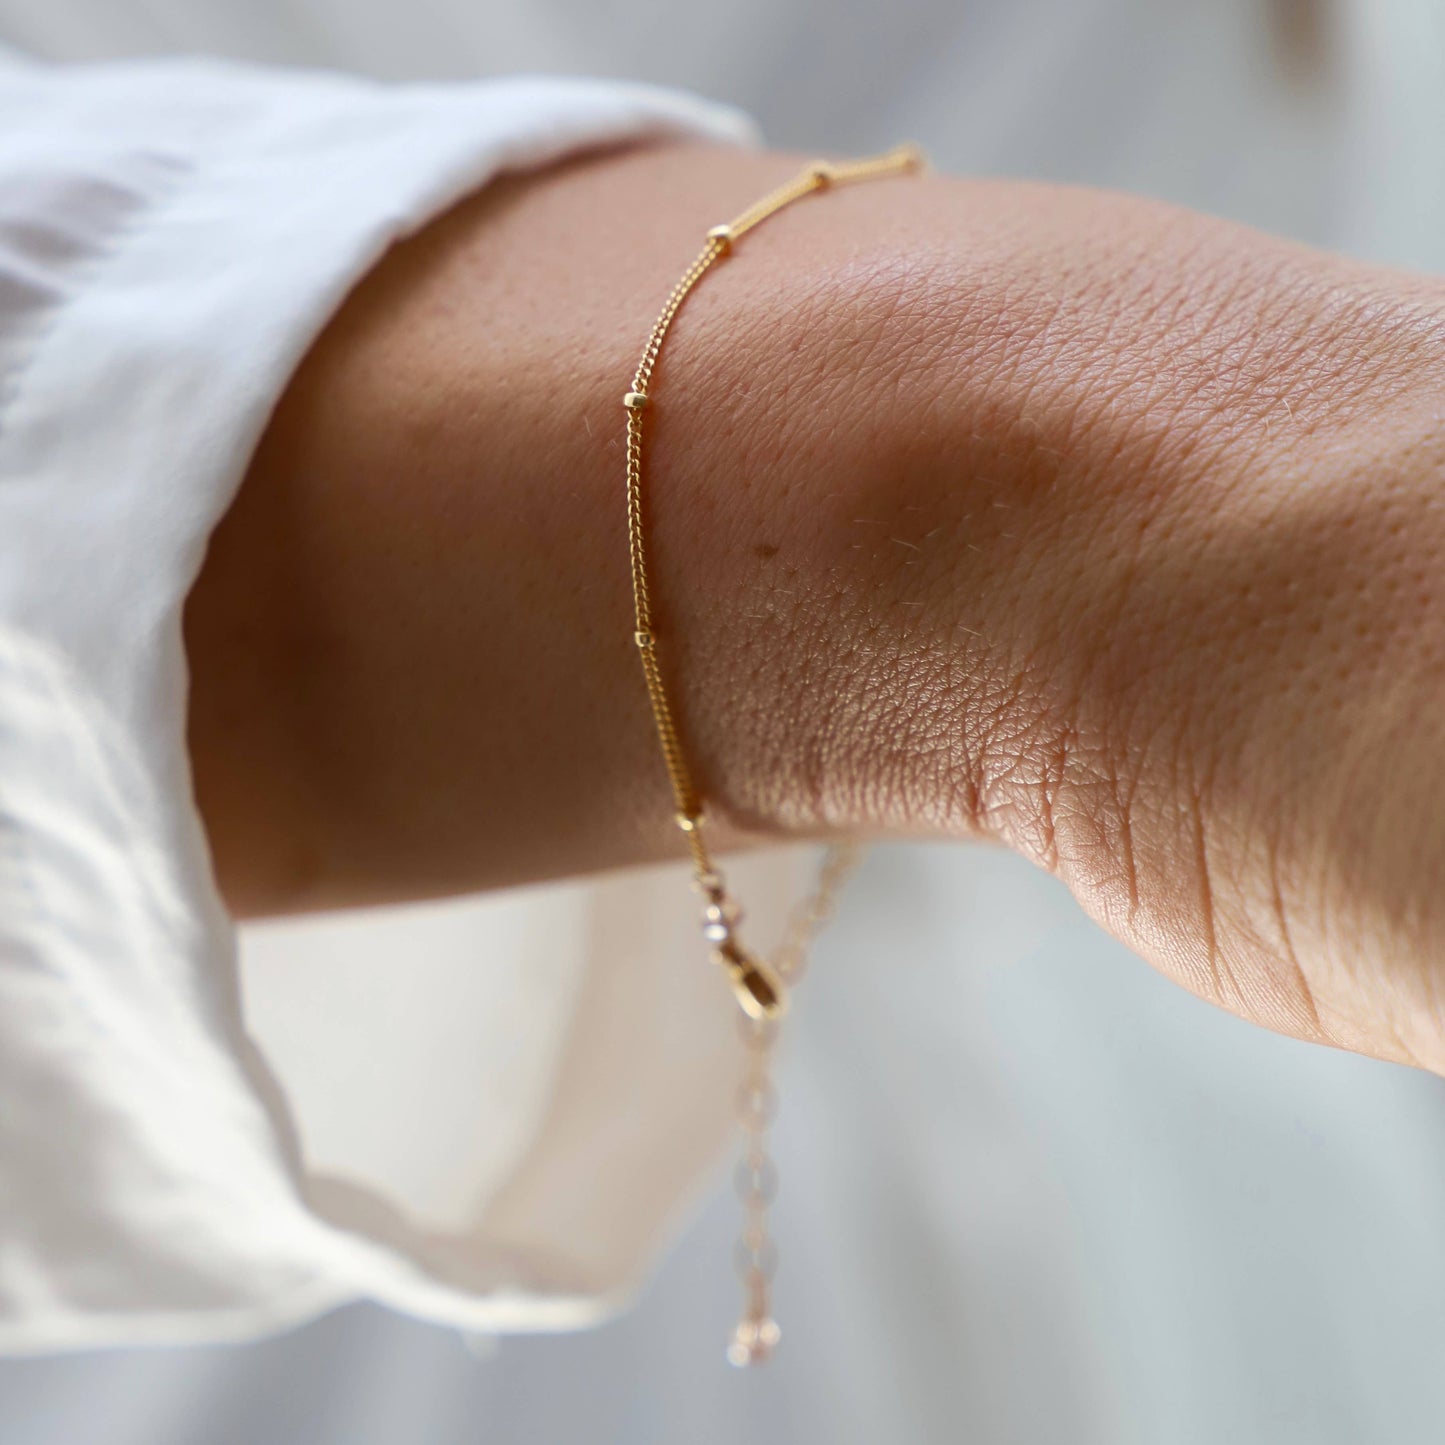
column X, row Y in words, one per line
column 761, row 989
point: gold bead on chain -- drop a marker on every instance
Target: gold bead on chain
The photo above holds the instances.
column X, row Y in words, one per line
column 760, row 988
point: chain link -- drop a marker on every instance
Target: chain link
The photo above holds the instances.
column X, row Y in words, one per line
column 761, row 989
column 756, row 1178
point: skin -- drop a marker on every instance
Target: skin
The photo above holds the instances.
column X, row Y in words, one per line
column 1099, row 529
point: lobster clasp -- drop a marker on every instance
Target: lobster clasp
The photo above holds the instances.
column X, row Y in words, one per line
column 758, row 990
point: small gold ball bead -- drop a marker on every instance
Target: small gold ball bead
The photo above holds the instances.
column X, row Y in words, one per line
column 635, row 400
column 723, row 235
column 689, row 822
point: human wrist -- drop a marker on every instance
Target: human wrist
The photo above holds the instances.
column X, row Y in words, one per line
column 1145, row 588
column 1216, row 644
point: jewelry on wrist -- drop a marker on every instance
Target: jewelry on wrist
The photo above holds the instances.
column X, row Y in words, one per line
column 760, row 988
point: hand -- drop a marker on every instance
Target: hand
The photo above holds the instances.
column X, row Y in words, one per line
column 1101, row 529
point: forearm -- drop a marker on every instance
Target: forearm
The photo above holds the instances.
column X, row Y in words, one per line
column 411, row 644
column 977, row 508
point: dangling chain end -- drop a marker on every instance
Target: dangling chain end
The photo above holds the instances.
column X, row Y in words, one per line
column 753, row 1342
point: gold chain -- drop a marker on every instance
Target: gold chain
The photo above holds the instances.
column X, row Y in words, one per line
column 761, row 989
column 756, row 1177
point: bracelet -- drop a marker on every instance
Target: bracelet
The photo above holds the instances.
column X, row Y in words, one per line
column 760, row 988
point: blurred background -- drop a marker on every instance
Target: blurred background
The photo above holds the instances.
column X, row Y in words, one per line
column 1031, row 1192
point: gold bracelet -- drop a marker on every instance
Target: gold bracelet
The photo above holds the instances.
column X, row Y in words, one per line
column 761, row 989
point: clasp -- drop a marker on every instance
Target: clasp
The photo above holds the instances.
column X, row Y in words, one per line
column 759, row 991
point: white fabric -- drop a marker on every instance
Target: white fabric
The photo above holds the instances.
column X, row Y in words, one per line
column 172, row 237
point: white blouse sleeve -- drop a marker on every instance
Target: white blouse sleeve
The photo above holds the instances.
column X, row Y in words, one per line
column 172, row 237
